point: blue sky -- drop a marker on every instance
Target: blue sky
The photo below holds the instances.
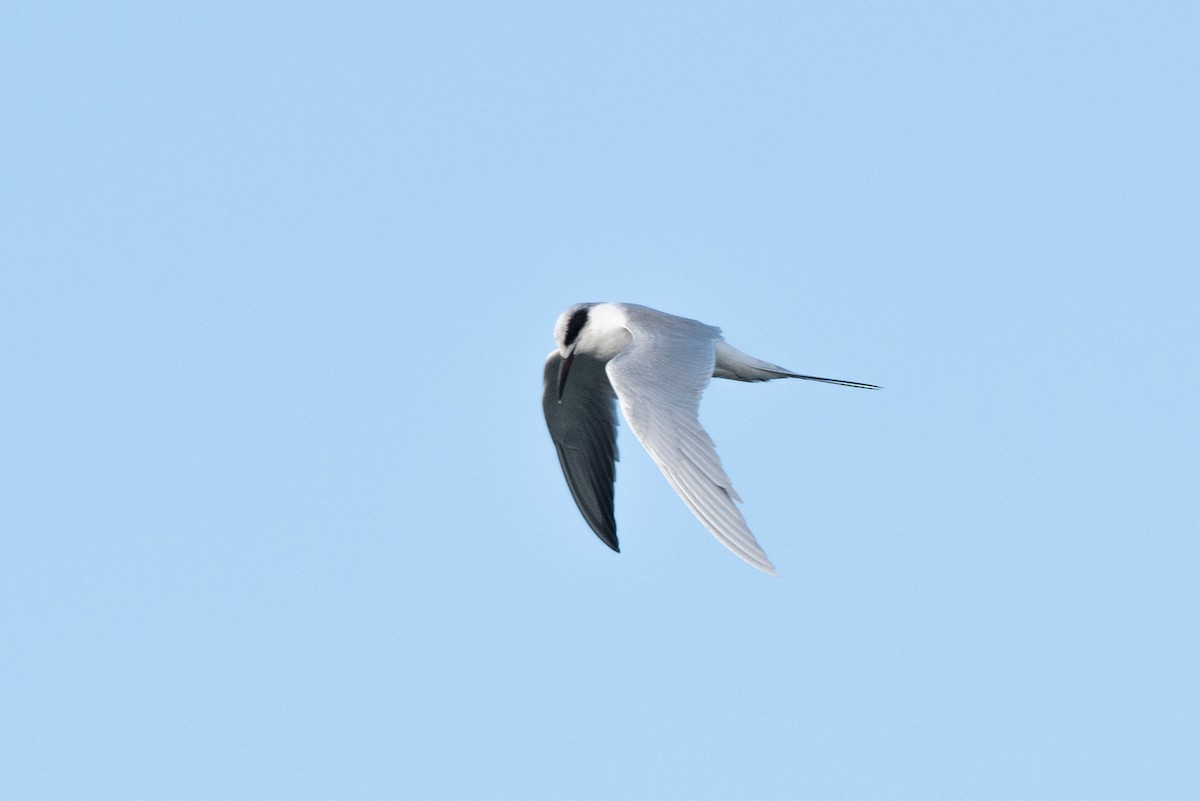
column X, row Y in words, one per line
column 281, row 518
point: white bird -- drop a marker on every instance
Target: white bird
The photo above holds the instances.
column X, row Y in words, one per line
column 657, row 365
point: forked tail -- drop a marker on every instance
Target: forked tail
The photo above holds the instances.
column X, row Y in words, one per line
column 737, row 366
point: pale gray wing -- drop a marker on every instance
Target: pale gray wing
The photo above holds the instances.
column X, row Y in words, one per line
column 584, row 429
column 658, row 380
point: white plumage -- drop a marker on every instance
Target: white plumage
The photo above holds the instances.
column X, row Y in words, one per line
column 656, row 365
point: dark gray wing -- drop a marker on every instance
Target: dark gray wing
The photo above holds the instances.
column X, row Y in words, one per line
column 584, row 429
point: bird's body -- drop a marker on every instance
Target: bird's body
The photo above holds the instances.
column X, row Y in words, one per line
column 656, row 365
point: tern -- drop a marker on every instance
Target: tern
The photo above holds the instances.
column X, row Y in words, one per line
column 656, row 365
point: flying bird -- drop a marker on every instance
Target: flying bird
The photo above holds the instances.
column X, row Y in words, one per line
column 656, row 365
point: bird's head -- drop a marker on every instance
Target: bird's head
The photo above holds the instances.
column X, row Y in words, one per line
column 569, row 326
column 595, row 329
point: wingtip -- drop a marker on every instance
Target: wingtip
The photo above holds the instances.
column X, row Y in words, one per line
column 759, row 561
column 610, row 540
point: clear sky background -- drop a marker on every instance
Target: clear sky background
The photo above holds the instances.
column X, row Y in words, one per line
column 280, row 517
